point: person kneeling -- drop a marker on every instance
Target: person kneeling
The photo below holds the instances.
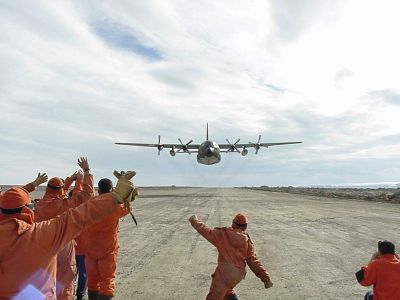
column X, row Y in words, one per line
column 383, row 272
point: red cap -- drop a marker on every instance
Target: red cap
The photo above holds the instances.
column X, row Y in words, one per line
column 240, row 219
column 14, row 198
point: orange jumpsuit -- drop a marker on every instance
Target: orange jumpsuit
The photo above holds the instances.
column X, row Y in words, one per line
column 28, row 250
column 235, row 249
column 79, row 240
column 384, row 274
column 51, row 206
column 101, row 253
column 67, row 183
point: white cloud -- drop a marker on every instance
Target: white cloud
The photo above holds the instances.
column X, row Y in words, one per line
column 274, row 68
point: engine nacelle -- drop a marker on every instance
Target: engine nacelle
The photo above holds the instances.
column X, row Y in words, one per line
column 172, row 152
column 244, row 152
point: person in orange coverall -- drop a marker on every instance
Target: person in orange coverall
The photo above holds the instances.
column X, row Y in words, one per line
column 101, row 241
column 81, row 277
column 235, row 249
column 28, row 250
column 54, row 203
column 383, row 272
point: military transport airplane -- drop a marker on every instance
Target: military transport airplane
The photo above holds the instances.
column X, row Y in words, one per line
column 208, row 152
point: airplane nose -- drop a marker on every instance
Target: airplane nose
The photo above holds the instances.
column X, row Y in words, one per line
column 210, row 152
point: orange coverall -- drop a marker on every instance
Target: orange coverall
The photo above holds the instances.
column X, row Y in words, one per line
column 384, row 274
column 101, row 241
column 52, row 205
column 28, row 251
column 80, row 239
column 235, row 249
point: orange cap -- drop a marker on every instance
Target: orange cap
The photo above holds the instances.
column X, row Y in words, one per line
column 14, row 198
column 55, row 183
column 55, row 187
column 240, row 219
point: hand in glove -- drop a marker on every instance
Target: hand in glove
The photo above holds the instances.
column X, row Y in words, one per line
column 74, row 175
column 124, row 190
column 268, row 284
column 192, row 218
column 41, row 178
column 83, row 163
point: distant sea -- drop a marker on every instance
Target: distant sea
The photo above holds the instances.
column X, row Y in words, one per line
column 365, row 185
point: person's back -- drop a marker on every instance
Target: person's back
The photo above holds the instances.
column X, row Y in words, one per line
column 102, row 237
column 383, row 272
column 18, row 231
column 102, row 250
column 232, row 245
column 53, row 204
column 235, row 249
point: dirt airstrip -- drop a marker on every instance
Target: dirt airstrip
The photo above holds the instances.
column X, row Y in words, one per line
column 310, row 245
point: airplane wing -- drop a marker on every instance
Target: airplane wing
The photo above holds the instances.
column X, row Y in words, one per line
column 168, row 146
column 241, row 145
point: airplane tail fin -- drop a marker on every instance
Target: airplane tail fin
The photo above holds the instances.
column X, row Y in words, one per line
column 207, row 132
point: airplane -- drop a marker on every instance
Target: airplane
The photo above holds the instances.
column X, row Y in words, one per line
column 208, row 152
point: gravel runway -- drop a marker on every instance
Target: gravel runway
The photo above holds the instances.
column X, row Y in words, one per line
column 311, row 246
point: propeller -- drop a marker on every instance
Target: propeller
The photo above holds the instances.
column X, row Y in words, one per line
column 159, row 145
column 184, row 147
column 256, row 145
column 233, row 146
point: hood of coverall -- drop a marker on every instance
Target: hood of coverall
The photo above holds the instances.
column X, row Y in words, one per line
column 14, row 198
column 240, row 219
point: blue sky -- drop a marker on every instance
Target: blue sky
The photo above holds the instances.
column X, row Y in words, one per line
column 78, row 76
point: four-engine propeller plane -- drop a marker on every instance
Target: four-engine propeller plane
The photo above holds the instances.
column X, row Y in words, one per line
column 208, row 152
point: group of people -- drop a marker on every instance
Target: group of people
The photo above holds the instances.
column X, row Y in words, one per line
column 42, row 244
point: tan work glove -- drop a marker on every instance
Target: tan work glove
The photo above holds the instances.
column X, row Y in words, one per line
column 41, row 178
column 125, row 190
column 76, row 175
column 84, row 164
column 268, row 284
column 192, row 218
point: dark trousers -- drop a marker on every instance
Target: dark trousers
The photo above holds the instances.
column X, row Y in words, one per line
column 81, row 274
column 369, row 296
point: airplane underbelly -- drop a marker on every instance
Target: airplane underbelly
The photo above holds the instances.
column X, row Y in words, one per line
column 208, row 160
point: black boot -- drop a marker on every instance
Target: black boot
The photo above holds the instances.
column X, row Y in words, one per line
column 93, row 295
column 104, row 297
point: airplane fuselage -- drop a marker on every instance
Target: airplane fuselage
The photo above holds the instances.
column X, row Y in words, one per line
column 209, row 153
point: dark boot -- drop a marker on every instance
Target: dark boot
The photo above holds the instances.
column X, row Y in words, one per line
column 104, row 297
column 93, row 295
column 234, row 297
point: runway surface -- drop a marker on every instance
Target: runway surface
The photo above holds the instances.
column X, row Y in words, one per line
column 311, row 246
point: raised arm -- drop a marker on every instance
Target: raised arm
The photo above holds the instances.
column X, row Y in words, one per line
column 78, row 187
column 54, row 234
column 70, row 179
column 210, row 234
column 41, row 178
column 87, row 191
